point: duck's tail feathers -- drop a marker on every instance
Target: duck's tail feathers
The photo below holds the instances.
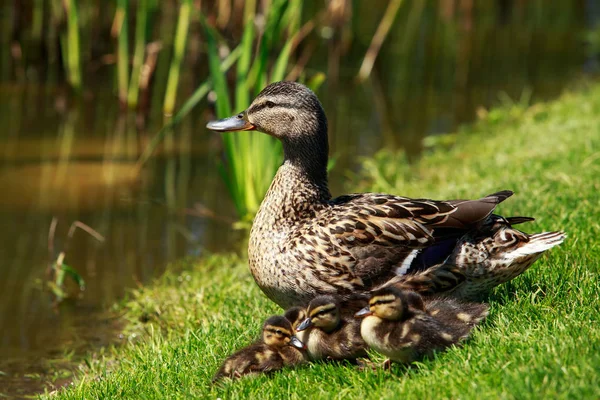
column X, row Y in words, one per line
column 539, row 243
column 471, row 213
column 518, row 220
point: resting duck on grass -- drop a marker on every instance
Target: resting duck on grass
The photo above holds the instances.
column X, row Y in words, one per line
column 328, row 334
column 405, row 327
column 278, row 348
column 304, row 243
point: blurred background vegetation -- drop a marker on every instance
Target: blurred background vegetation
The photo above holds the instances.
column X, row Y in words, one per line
column 103, row 106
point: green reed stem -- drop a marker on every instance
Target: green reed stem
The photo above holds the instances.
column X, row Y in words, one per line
column 180, row 41
column 73, row 48
column 122, row 50
column 139, row 51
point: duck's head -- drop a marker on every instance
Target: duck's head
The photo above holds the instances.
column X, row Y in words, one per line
column 323, row 312
column 296, row 315
column 388, row 303
column 278, row 332
column 290, row 112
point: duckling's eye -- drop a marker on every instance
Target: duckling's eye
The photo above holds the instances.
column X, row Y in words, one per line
column 269, row 104
column 278, row 332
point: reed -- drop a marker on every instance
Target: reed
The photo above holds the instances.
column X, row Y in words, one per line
column 251, row 160
column 138, row 52
column 120, row 31
column 72, row 48
column 183, row 23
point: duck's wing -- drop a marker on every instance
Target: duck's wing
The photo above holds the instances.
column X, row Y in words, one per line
column 382, row 234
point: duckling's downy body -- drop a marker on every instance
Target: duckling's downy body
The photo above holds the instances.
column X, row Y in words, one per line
column 328, row 334
column 278, row 348
column 405, row 329
column 303, row 243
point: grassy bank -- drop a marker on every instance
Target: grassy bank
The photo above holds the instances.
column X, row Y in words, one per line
column 542, row 338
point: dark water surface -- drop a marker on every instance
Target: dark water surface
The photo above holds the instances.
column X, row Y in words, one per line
column 73, row 158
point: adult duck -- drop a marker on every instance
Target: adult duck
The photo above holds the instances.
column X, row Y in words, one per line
column 304, row 243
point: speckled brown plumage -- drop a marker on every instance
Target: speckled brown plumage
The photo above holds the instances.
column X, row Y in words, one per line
column 274, row 351
column 304, row 243
column 482, row 259
column 328, row 333
column 406, row 330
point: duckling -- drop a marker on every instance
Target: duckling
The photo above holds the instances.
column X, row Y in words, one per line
column 326, row 333
column 295, row 315
column 304, row 243
column 397, row 325
column 277, row 348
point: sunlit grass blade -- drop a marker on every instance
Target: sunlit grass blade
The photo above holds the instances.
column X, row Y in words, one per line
column 73, row 48
column 120, row 30
column 180, row 40
column 242, row 95
column 258, row 77
column 382, row 31
column 139, row 51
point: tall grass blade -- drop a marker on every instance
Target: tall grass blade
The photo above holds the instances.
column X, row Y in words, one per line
column 139, row 51
column 120, row 30
column 73, row 48
column 180, row 40
column 382, row 31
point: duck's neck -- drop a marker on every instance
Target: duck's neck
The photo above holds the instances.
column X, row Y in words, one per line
column 299, row 187
column 308, row 156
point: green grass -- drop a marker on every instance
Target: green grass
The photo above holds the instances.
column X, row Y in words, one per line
column 542, row 337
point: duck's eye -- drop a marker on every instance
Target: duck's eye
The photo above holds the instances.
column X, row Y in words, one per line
column 278, row 332
column 270, row 104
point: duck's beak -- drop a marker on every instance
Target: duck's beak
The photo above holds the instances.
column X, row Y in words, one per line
column 231, row 124
column 296, row 342
column 365, row 312
column 307, row 323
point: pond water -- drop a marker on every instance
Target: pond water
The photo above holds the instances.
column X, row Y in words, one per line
column 73, row 157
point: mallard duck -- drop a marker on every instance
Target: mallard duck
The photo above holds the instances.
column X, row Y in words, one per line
column 304, row 243
column 406, row 329
column 277, row 348
column 481, row 259
column 327, row 334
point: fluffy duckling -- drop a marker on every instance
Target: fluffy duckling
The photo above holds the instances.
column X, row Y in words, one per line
column 277, row 348
column 405, row 328
column 327, row 333
column 295, row 315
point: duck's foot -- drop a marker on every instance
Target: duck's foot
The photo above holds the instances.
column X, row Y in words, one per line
column 365, row 364
column 387, row 365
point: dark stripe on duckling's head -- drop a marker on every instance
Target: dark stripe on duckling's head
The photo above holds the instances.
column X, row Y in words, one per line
column 277, row 331
column 295, row 315
column 389, row 303
column 322, row 303
column 323, row 313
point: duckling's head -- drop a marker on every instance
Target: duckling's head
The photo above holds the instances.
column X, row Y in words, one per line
column 323, row 312
column 278, row 332
column 295, row 315
column 290, row 112
column 388, row 303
